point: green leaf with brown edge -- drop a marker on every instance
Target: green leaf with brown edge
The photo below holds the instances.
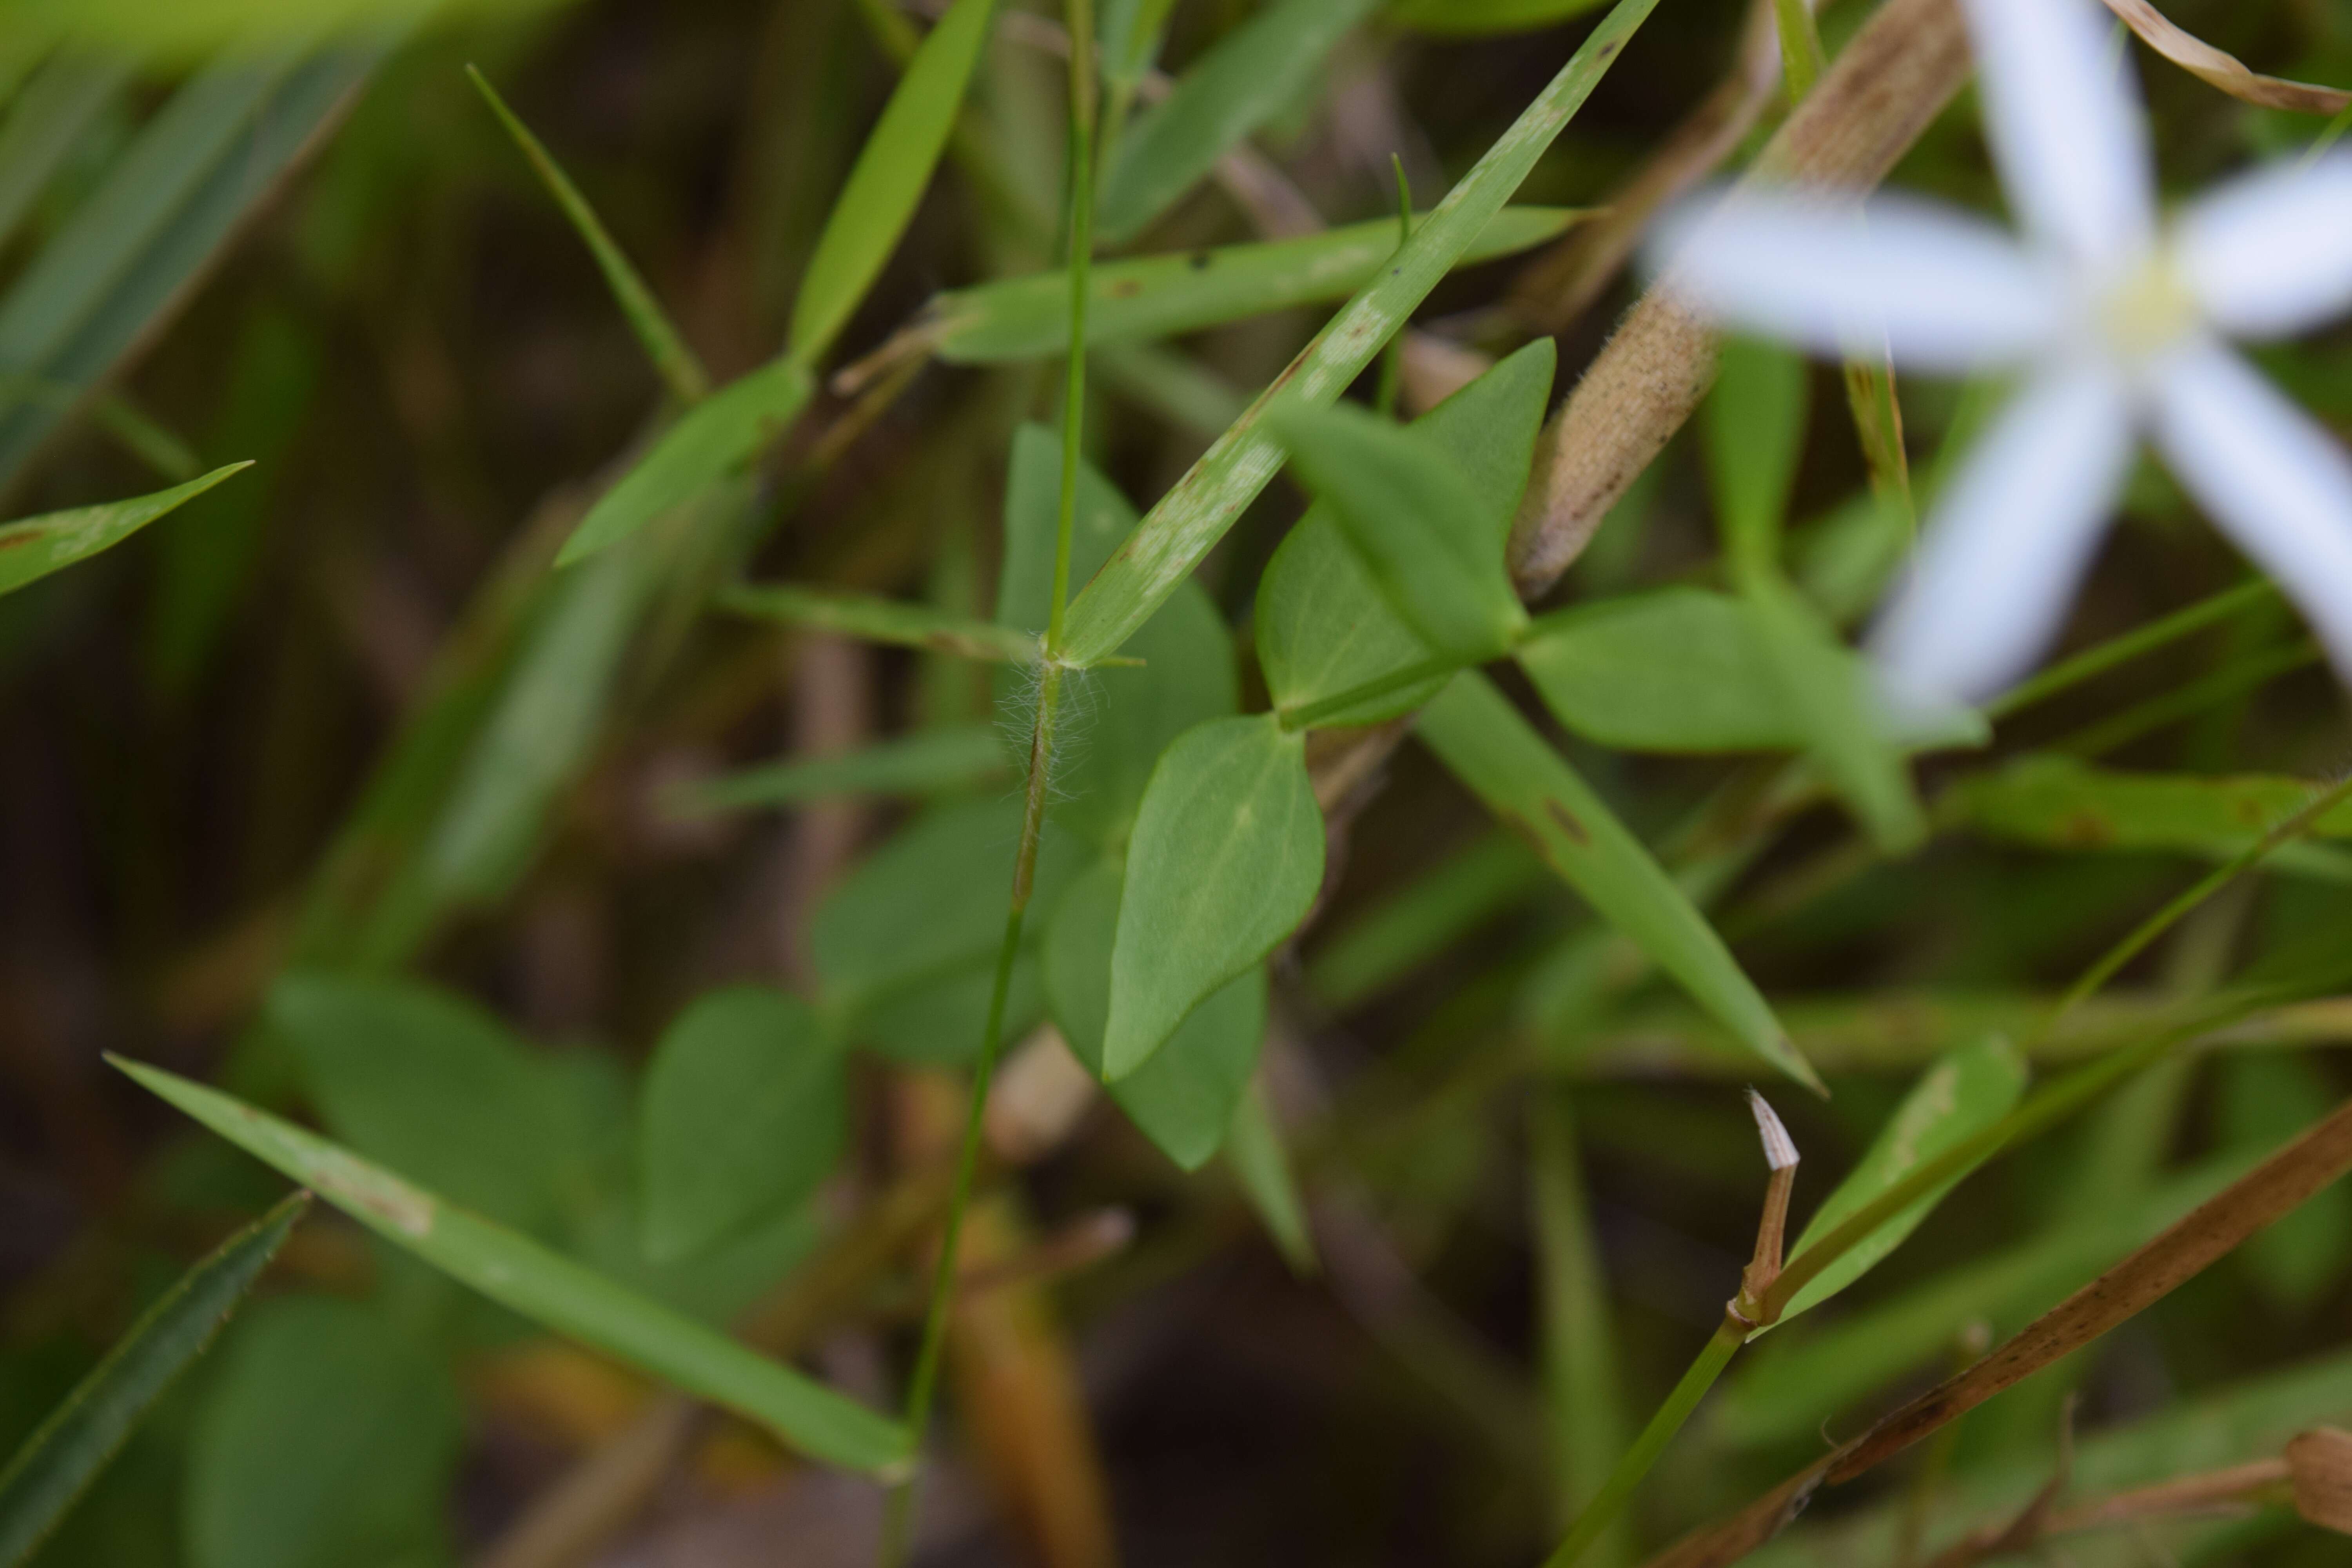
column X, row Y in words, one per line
column 1416, row 522
column 1225, row 860
column 891, row 621
column 1530, row 789
column 745, row 1109
column 655, row 333
column 1237, row 85
column 1966, row 1092
column 528, row 1278
column 1148, row 296
column 34, row 548
column 2062, row 803
column 877, row 200
column 1324, row 628
column 1195, row 513
column 74, row 1443
column 711, row 441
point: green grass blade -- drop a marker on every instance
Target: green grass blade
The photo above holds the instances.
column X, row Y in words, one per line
column 675, row 363
column 889, row 621
column 1384, row 946
column 1828, row 693
column 1243, row 81
column 711, row 441
column 1262, row 1166
column 2058, row 802
column 1531, row 790
column 59, row 1460
column 1584, row 1392
column 932, row 762
column 1478, row 18
column 128, row 253
column 44, row 122
column 887, row 180
column 1149, row 297
column 1192, row 517
column 542, row 1284
column 39, row 545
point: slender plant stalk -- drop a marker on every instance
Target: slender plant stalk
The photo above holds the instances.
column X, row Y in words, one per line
column 2097, row 660
column 1603, row 1511
column 898, row 1527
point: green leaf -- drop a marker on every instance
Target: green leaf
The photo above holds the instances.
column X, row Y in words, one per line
column 928, row 762
column 1226, row 858
column 1476, row 18
column 877, row 620
column 1848, row 734
column 57, row 1464
column 330, row 1438
column 1532, row 791
column 39, row 545
column 429, row 1083
column 2059, row 802
column 1185, row 1097
column 526, row 1277
column 1966, row 1092
column 905, row 948
column 1324, row 628
column 2267, row 1098
column 675, row 363
column 45, row 122
column 1240, row 83
column 1032, row 490
column 1416, row 520
column 1679, row 669
column 1149, row 297
column 746, row 1108
column 165, row 207
column 1261, row 1166
column 709, row 442
column 887, row 180
column 1198, row 509
column 1753, row 425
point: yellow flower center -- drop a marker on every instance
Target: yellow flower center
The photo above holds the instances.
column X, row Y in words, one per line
column 2150, row 310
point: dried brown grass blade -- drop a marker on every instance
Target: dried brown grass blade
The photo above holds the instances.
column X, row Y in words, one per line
column 2224, row 70
column 1887, row 84
column 2272, row 1189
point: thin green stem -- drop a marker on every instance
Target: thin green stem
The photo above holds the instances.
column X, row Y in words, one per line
column 922, row 1384
column 2131, row 645
column 1309, row 714
column 1603, row 1509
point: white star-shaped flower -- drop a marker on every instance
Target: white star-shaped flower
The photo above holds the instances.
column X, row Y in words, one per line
column 2118, row 321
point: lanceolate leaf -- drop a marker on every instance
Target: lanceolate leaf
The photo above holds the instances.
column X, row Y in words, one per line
column 1468, row 18
column 1830, row 694
column 1225, row 860
column 194, row 172
column 1324, row 628
column 887, row 180
column 2064, row 803
column 1193, row 515
column 746, row 1107
column 1160, row 296
column 883, row 621
column 1237, row 86
column 45, row 118
column 660, row 340
column 60, row 1459
column 1416, row 520
column 1262, row 1166
column 711, row 441
column 1962, row 1095
column 1531, row 790
column 1753, row 422
column 928, row 762
column 40, row 546
column 526, row 1277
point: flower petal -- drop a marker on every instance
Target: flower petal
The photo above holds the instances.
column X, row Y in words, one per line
column 2008, row 541
column 2270, row 475
column 2063, row 114
column 2271, row 252
column 1941, row 289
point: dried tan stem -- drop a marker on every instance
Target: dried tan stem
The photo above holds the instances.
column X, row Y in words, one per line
column 2222, row 70
column 1886, row 85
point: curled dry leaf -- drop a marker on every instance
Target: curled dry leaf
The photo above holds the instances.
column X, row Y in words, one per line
column 2224, row 70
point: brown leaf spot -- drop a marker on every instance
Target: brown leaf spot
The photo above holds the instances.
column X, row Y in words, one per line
column 1565, row 820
